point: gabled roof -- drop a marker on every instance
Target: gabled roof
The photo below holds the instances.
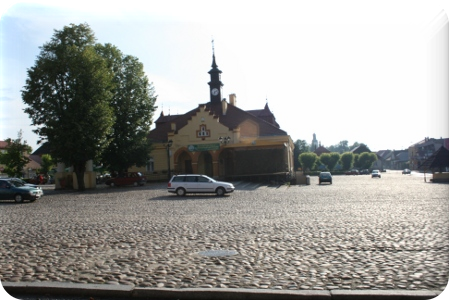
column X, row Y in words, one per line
column 360, row 149
column 320, row 150
column 265, row 114
column 3, row 145
column 232, row 119
column 439, row 159
column 44, row 149
column 382, row 154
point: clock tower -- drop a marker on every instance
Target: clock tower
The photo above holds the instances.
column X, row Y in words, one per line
column 215, row 84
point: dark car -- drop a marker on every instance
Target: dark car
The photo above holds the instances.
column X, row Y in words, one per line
column 364, row 172
column 128, row 178
column 406, row 171
column 9, row 191
column 19, row 182
column 325, row 177
column 352, row 172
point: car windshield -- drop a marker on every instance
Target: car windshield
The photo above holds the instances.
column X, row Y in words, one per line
column 208, row 178
column 16, row 183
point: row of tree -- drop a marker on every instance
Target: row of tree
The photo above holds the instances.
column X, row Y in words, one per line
column 90, row 101
column 347, row 160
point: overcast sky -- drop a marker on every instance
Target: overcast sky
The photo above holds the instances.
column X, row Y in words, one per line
column 340, row 69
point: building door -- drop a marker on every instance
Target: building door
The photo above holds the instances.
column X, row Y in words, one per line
column 184, row 164
column 188, row 166
column 205, row 164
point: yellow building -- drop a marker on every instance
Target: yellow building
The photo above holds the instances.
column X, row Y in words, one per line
column 220, row 140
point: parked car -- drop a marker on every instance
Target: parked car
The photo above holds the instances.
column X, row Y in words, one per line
column 375, row 173
column 352, row 172
column 325, row 177
column 195, row 183
column 406, row 171
column 127, row 178
column 9, row 191
column 19, row 182
column 364, row 172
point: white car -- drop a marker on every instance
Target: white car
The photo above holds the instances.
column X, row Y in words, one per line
column 194, row 183
column 375, row 173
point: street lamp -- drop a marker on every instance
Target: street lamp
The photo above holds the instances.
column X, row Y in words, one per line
column 169, row 144
column 224, row 140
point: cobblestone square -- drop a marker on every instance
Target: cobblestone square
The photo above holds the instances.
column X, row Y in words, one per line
column 358, row 233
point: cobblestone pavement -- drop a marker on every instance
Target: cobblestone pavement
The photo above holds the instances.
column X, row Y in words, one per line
column 358, row 233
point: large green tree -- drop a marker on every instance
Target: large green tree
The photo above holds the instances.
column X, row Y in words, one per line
column 325, row 159
column 133, row 104
column 334, row 159
column 301, row 146
column 366, row 160
column 308, row 160
column 15, row 157
column 68, row 93
column 347, row 160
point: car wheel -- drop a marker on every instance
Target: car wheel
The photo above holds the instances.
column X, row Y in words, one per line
column 330, row 182
column 181, row 192
column 136, row 184
column 112, row 184
column 220, row 191
column 18, row 198
column 320, row 182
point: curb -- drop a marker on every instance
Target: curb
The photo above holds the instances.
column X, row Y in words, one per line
column 129, row 291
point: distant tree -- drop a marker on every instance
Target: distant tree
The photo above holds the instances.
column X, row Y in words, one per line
column 133, row 104
column 308, row 160
column 14, row 158
column 340, row 147
column 366, row 160
column 301, row 146
column 68, row 93
column 47, row 164
column 347, row 160
column 334, row 159
column 325, row 159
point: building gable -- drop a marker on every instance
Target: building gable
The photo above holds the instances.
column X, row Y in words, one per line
column 202, row 126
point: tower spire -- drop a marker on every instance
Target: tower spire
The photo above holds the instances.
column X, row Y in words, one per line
column 215, row 84
column 214, row 64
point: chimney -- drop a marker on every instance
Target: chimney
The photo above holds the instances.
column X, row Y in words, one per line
column 224, row 106
column 233, row 99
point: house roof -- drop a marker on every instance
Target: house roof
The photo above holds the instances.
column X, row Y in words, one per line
column 3, row 145
column 320, row 150
column 44, row 149
column 232, row 119
column 439, row 159
column 360, row 149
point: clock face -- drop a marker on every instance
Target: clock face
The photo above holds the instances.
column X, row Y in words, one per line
column 215, row 92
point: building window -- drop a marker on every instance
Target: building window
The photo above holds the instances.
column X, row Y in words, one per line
column 203, row 132
column 150, row 165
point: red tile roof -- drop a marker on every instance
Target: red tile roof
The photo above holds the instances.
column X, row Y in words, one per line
column 233, row 118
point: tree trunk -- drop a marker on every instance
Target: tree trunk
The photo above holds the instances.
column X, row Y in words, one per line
column 80, row 168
